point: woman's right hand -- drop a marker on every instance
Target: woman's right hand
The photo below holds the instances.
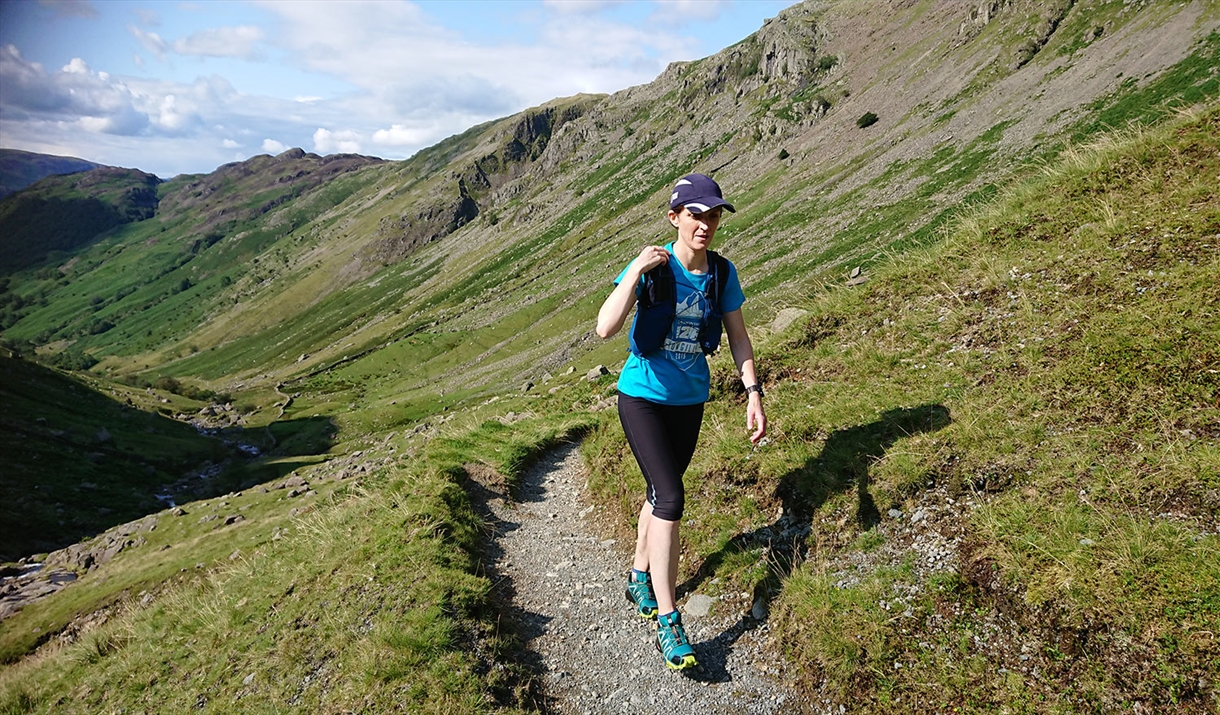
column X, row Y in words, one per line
column 614, row 311
column 651, row 257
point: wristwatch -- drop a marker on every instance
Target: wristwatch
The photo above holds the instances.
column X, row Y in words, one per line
column 757, row 387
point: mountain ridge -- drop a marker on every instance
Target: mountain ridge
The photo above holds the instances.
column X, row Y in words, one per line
column 19, row 169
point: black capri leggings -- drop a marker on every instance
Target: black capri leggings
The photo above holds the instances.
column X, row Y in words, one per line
column 663, row 438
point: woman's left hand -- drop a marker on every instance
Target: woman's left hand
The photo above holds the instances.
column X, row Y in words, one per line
column 756, row 418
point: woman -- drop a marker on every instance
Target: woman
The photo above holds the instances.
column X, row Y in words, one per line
column 686, row 293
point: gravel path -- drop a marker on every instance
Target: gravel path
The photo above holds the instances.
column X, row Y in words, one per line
column 593, row 654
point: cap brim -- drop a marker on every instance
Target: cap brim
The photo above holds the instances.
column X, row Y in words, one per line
column 703, row 205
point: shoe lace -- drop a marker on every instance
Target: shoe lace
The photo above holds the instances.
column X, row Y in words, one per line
column 676, row 636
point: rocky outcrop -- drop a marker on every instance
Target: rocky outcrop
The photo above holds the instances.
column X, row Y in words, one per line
column 1051, row 16
column 401, row 235
column 471, row 189
column 789, row 49
column 979, row 17
column 30, row 580
column 88, row 555
column 521, row 144
column 1047, row 17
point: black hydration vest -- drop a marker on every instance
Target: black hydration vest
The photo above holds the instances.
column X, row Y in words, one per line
column 658, row 305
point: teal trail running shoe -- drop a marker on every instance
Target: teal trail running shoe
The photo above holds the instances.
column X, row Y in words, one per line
column 672, row 642
column 640, row 593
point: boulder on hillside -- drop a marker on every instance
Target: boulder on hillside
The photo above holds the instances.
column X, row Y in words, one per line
column 294, row 481
column 787, row 317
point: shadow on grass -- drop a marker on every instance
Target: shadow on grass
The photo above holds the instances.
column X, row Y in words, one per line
column 845, row 461
column 77, row 461
column 293, row 444
column 842, row 465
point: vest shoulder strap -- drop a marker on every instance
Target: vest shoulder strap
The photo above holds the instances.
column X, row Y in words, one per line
column 719, row 267
column 658, row 286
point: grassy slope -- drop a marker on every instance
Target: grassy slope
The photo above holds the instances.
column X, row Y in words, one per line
column 60, row 213
column 1053, row 363
column 79, row 460
column 155, row 281
column 19, row 169
column 369, row 600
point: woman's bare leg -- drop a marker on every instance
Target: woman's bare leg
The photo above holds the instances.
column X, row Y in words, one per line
column 641, row 538
column 663, row 557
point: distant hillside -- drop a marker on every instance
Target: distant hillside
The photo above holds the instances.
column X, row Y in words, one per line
column 62, row 213
column 19, row 169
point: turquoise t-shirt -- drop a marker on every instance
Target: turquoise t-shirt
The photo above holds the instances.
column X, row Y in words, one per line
column 677, row 374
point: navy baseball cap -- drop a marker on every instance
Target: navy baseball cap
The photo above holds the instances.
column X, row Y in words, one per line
column 698, row 193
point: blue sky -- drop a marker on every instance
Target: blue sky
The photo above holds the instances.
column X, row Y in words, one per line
column 183, row 87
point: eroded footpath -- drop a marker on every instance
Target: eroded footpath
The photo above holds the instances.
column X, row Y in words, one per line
column 565, row 586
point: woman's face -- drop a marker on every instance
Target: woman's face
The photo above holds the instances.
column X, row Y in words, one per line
column 696, row 230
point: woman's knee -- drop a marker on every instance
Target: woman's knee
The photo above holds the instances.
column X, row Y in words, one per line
column 669, row 508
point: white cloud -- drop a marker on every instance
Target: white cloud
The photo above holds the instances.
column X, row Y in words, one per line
column 137, row 60
column 124, row 121
column 240, row 42
column 151, row 41
column 401, row 135
column 169, row 114
column 426, row 82
column 395, row 50
column 97, row 125
column 79, row 99
column 75, row 93
column 306, row 100
column 328, row 142
column 273, row 147
column 131, row 120
column 14, row 63
column 229, row 144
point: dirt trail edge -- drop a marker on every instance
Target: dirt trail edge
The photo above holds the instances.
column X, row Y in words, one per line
column 564, row 588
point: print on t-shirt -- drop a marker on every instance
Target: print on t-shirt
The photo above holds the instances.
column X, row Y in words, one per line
column 683, row 340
